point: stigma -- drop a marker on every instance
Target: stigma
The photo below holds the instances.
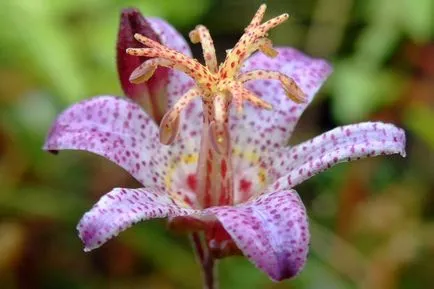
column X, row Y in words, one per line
column 218, row 86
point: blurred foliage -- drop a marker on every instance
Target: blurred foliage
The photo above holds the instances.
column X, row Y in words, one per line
column 372, row 220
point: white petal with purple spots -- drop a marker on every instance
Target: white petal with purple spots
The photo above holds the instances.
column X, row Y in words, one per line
column 346, row 143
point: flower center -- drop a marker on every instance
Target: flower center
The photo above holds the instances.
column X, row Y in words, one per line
column 218, row 87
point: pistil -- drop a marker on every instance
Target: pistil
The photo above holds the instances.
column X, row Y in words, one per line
column 219, row 87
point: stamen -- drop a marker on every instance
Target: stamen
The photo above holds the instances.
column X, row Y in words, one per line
column 218, row 86
column 148, row 42
column 259, row 15
column 255, row 100
column 201, row 34
column 219, row 132
column 264, row 45
column 145, row 70
column 169, row 129
column 219, row 138
column 237, row 98
column 170, row 58
column 169, row 126
column 248, row 42
column 270, row 24
column 240, row 94
column 292, row 90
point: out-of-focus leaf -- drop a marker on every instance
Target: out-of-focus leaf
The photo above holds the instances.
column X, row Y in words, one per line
column 238, row 272
column 45, row 46
column 416, row 18
column 179, row 12
column 380, row 11
column 376, row 43
column 29, row 121
column 172, row 259
column 12, row 236
column 337, row 253
column 420, row 120
column 42, row 202
column 413, row 17
column 358, row 90
column 320, row 275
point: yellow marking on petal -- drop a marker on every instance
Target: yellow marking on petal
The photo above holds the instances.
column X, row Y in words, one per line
column 252, row 158
column 190, row 159
column 185, row 159
column 262, row 176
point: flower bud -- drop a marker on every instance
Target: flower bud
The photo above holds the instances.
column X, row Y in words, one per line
column 151, row 94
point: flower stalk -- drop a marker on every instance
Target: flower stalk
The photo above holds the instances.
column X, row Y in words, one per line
column 206, row 261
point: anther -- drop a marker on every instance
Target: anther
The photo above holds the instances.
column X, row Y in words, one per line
column 292, row 90
column 169, row 126
column 163, row 56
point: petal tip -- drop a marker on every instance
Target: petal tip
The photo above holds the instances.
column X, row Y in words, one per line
column 403, row 137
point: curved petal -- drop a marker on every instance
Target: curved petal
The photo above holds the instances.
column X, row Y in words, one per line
column 341, row 144
column 178, row 82
column 114, row 128
column 120, row 209
column 276, row 126
column 272, row 231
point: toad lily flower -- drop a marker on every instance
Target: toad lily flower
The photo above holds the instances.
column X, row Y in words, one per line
column 227, row 173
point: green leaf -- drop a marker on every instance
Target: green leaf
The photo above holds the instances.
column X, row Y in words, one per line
column 358, row 90
column 43, row 202
column 45, row 47
column 376, row 43
column 416, row 18
column 151, row 241
column 420, row 120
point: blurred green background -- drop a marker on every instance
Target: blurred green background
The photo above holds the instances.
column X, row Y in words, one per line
column 372, row 220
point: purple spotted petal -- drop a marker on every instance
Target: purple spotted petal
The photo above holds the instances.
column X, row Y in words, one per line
column 273, row 128
column 272, row 231
column 120, row 209
column 179, row 83
column 178, row 162
column 346, row 143
column 169, row 36
column 114, row 128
